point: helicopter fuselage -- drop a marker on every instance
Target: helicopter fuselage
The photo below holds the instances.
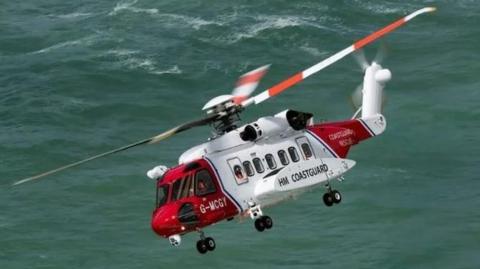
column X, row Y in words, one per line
column 240, row 175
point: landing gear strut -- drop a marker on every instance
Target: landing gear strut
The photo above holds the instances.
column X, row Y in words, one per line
column 331, row 196
column 205, row 244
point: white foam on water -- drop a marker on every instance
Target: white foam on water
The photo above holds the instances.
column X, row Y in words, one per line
column 128, row 5
column 132, row 62
column 139, row 63
column 386, row 7
column 194, row 22
column 273, row 22
column 73, row 15
column 173, row 70
column 312, row 50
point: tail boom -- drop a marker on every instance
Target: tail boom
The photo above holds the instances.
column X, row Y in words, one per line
column 341, row 135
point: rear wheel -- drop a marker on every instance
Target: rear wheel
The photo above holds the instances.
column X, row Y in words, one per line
column 268, row 222
column 337, row 197
column 328, row 199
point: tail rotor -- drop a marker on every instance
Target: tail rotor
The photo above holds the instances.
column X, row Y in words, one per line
column 369, row 97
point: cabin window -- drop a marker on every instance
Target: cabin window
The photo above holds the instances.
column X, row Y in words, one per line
column 204, row 183
column 247, row 165
column 162, row 195
column 182, row 188
column 270, row 161
column 307, row 151
column 305, row 147
column 282, row 155
column 293, row 154
column 258, row 165
column 237, row 170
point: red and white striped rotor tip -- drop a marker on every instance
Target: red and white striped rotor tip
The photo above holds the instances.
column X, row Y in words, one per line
column 247, row 83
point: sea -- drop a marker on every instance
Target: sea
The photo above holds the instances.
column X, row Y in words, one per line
column 78, row 78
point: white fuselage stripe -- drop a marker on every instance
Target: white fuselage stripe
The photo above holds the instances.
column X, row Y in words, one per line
column 237, row 205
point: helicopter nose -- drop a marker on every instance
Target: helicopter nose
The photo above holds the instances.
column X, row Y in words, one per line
column 164, row 223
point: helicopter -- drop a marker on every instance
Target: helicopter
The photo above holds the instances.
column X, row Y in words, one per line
column 244, row 168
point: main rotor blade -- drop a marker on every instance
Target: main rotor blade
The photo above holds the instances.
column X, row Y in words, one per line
column 247, row 83
column 152, row 140
column 289, row 82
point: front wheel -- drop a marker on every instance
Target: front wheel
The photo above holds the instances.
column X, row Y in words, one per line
column 260, row 225
column 210, row 243
column 202, row 246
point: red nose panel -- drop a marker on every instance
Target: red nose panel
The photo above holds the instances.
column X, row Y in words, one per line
column 190, row 207
column 164, row 221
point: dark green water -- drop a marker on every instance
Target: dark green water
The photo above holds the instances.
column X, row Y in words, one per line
column 81, row 77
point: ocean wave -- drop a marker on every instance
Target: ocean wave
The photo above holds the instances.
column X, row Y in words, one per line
column 132, row 61
column 85, row 41
column 128, row 5
column 73, row 15
column 312, row 50
column 169, row 18
column 385, row 7
column 122, row 52
column 173, row 70
column 273, row 22
column 194, row 22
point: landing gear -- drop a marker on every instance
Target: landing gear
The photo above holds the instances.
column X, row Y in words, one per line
column 331, row 196
column 262, row 223
column 337, row 197
column 210, row 243
column 202, row 246
column 328, row 199
column 205, row 244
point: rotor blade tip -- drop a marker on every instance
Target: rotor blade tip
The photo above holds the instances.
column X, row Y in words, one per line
column 431, row 9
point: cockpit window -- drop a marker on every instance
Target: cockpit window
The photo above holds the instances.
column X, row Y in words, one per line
column 182, row 188
column 162, row 195
column 176, row 189
column 204, row 183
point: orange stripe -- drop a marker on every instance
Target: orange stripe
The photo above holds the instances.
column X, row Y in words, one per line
column 280, row 87
column 364, row 41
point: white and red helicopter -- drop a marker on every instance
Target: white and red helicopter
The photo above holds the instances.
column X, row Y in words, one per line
column 243, row 169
